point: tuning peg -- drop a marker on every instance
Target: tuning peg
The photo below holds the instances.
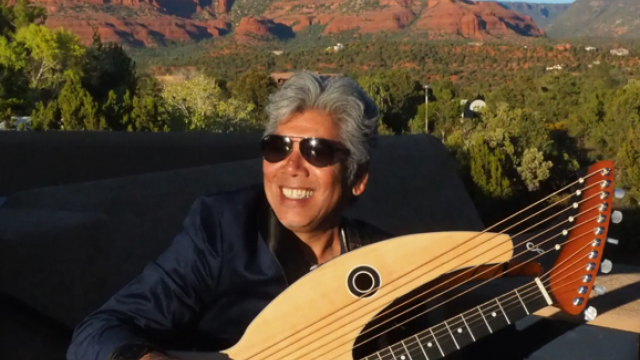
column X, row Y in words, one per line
column 606, row 266
column 618, row 193
column 600, row 290
column 590, row 313
column 612, row 241
column 616, row 217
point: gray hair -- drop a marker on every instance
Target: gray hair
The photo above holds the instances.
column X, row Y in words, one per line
column 351, row 108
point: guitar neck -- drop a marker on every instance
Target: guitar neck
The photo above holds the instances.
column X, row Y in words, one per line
column 453, row 334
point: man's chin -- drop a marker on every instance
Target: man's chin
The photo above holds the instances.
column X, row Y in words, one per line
column 296, row 225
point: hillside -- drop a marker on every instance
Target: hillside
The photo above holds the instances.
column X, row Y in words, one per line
column 599, row 18
column 542, row 14
column 156, row 22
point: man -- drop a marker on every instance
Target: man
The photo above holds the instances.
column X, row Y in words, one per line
column 239, row 250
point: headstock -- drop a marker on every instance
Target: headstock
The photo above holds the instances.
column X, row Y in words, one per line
column 572, row 277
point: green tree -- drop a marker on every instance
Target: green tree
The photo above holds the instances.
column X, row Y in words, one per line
column 107, row 68
column 19, row 15
column 147, row 110
column 397, row 95
column 533, row 168
column 201, row 104
column 46, row 117
column 46, row 56
column 487, row 171
column 78, row 110
column 254, row 87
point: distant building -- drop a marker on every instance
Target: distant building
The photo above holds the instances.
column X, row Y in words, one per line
column 619, row 52
column 277, row 52
column 554, row 67
column 476, row 43
column 471, row 109
column 590, row 48
column 335, row 48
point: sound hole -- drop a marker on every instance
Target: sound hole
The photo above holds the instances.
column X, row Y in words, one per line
column 363, row 281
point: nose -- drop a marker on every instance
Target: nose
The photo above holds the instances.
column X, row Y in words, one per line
column 296, row 165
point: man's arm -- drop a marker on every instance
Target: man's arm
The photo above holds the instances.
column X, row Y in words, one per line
column 165, row 296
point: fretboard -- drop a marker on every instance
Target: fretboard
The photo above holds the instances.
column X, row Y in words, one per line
column 468, row 327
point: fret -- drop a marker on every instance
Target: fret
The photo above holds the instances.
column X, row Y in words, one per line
column 386, row 354
column 430, row 346
column 494, row 316
column 406, row 350
column 421, row 347
column 392, row 354
column 485, row 320
column 468, row 328
column 522, row 302
column 436, row 341
column 459, row 332
column 503, row 313
column 446, row 338
column 399, row 352
column 450, row 333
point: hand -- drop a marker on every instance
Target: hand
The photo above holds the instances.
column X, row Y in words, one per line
column 157, row 356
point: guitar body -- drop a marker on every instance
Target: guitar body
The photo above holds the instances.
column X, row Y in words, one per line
column 320, row 315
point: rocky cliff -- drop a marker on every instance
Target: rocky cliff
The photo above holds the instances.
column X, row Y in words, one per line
column 152, row 22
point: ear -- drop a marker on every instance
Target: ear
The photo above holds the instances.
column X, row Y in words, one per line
column 361, row 179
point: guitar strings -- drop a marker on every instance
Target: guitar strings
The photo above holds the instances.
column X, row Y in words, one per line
column 414, row 345
column 496, row 266
column 471, row 323
column 539, row 255
column 490, row 269
column 504, row 303
column 541, row 279
column 463, row 293
column 515, row 267
column 524, row 252
column 580, row 180
column 474, row 277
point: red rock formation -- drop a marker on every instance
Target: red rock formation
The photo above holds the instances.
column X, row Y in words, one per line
column 223, row 6
column 392, row 19
column 296, row 22
column 142, row 30
column 257, row 26
column 440, row 18
column 474, row 19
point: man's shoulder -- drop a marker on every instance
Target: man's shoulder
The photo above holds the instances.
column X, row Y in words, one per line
column 229, row 203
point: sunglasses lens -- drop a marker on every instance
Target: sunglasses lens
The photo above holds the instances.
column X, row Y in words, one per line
column 318, row 152
column 275, row 148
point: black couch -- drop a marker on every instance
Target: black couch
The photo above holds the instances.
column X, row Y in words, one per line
column 84, row 213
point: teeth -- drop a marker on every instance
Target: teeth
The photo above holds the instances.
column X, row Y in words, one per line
column 296, row 193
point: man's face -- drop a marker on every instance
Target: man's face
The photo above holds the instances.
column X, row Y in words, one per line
column 304, row 197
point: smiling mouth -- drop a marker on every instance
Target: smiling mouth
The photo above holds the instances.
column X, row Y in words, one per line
column 296, row 194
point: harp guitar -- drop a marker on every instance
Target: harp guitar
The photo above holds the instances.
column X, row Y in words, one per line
column 342, row 308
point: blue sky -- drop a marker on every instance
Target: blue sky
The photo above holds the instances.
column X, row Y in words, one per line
column 539, row 1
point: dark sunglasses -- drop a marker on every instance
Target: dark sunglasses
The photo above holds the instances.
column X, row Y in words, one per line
column 317, row 152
